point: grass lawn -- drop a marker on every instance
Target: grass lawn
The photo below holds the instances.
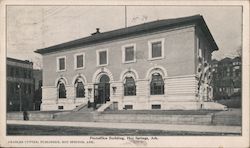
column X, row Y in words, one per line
column 64, row 131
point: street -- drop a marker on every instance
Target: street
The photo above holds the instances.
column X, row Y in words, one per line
column 63, row 130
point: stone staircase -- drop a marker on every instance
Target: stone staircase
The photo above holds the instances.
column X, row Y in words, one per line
column 83, row 113
column 105, row 106
column 80, row 107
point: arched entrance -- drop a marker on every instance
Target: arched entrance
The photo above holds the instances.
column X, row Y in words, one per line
column 102, row 90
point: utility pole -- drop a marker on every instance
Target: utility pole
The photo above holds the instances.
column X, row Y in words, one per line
column 20, row 97
column 125, row 16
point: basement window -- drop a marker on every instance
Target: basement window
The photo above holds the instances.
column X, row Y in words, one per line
column 60, row 107
column 128, row 107
column 156, row 106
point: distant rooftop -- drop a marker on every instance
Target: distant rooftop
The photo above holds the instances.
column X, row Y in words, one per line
column 133, row 31
column 19, row 61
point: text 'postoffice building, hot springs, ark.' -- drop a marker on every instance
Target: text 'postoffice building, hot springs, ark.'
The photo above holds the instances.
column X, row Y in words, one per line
column 163, row 64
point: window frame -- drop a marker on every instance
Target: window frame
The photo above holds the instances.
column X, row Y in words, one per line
column 98, row 57
column 150, row 42
column 76, row 89
column 154, row 90
column 58, row 64
column 75, row 60
column 124, row 53
column 125, row 87
column 58, row 91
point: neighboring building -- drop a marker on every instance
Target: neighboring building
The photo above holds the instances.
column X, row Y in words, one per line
column 163, row 64
column 226, row 77
column 19, row 85
column 37, row 76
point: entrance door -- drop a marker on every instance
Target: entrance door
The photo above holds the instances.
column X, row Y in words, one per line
column 102, row 90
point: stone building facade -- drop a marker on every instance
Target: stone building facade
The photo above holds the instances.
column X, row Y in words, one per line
column 226, row 79
column 19, row 85
column 163, row 64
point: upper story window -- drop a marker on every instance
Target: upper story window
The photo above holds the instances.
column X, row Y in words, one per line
column 128, row 53
column 17, row 72
column 61, row 63
column 102, row 57
column 156, row 49
column 79, row 61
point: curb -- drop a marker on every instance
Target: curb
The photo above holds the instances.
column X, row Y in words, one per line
column 141, row 126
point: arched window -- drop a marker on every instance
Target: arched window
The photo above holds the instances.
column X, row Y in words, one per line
column 61, row 90
column 129, row 87
column 156, row 85
column 80, row 91
column 104, row 79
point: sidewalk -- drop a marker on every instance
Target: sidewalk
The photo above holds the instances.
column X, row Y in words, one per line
column 139, row 126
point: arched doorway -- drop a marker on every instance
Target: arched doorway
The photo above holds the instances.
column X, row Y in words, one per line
column 102, row 90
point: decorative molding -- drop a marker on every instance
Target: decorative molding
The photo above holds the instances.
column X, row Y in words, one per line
column 64, row 80
column 129, row 72
column 100, row 72
column 81, row 76
column 158, row 69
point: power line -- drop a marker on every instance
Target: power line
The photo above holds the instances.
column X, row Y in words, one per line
column 56, row 11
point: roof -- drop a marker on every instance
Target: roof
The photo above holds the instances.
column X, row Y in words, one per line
column 19, row 61
column 226, row 60
column 236, row 59
column 133, row 31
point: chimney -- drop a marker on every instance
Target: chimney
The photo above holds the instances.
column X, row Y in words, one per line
column 97, row 31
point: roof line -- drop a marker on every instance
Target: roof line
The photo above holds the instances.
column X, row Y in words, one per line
column 132, row 31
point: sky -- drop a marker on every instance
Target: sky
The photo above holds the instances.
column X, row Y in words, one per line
column 33, row 27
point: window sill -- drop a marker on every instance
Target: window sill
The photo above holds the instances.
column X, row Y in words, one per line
column 102, row 65
column 130, row 96
column 78, row 98
column 62, row 98
column 156, row 95
column 128, row 62
column 157, row 58
column 80, row 68
column 61, row 70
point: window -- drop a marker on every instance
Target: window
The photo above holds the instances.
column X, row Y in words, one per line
column 80, row 91
column 102, row 57
column 61, row 63
column 157, row 85
column 156, row 106
column 129, row 87
column 60, row 107
column 12, row 71
column 156, row 49
column 61, row 90
column 29, row 88
column 17, row 72
column 25, row 89
column 128, row 53
column 24, row 73
column 29, row 74
column 12, row 88
column 79, row 61
column 128, row 107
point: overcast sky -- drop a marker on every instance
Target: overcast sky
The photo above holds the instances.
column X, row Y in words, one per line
column 33, row 27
